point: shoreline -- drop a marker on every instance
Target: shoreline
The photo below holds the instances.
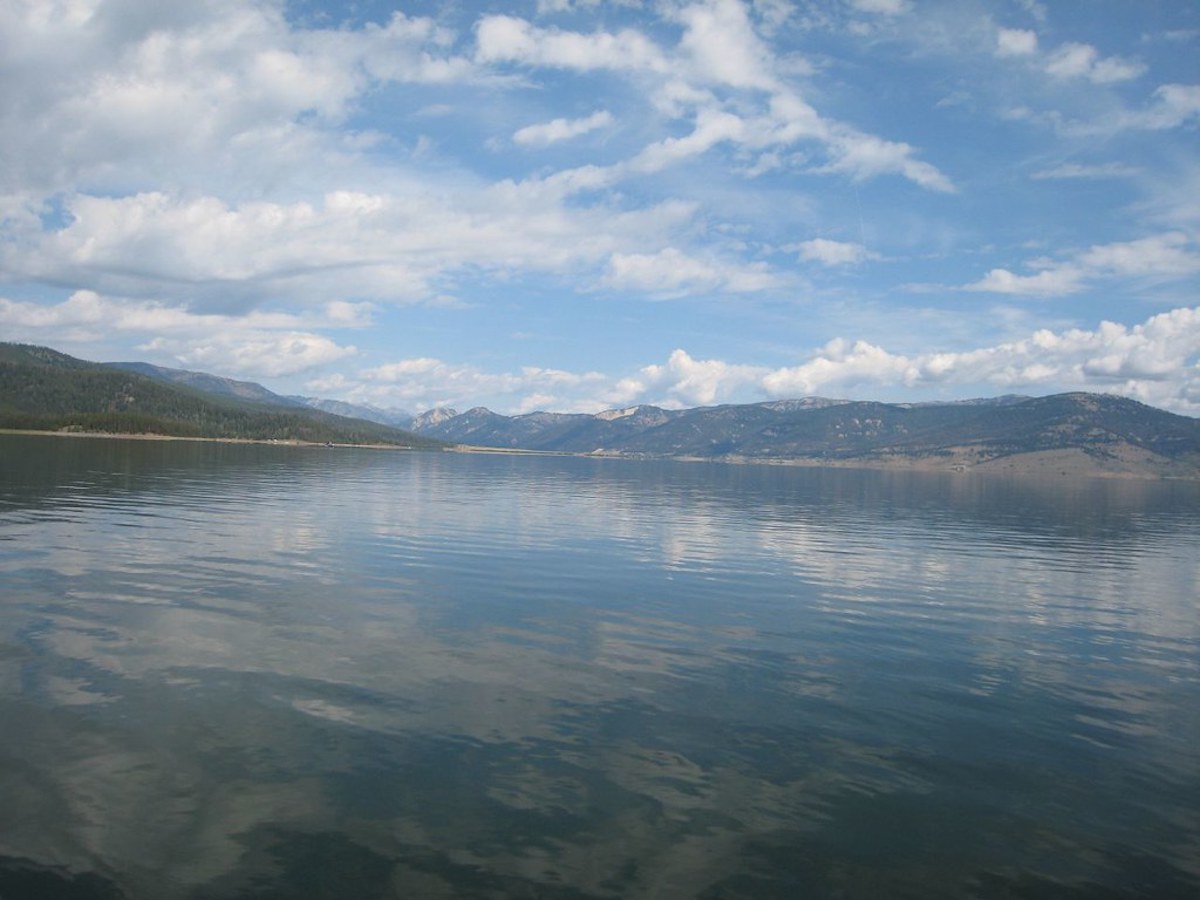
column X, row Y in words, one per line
column 144, row 436
column 1043, row 464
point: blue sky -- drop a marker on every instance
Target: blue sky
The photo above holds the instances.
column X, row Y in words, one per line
column 576, row 205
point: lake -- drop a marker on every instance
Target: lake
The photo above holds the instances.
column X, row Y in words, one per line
column 298, row 672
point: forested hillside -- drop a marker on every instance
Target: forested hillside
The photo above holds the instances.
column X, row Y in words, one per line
column 42, row 389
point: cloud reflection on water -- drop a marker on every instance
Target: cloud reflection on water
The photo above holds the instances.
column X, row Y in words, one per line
column 488, row 674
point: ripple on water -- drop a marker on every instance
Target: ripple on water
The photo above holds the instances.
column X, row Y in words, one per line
column 515, row 676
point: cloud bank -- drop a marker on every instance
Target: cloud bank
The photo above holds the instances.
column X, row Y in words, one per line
column 669, row 202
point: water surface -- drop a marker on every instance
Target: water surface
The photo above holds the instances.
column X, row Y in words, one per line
column 269, row 672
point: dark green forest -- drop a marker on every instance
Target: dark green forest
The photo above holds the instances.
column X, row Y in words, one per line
column 42, row 389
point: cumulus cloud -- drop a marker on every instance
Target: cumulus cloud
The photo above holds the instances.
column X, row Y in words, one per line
column 683, row 381
column 508, row 39
column 268, row 355
column 396, row 248
column 206, row 250
column 178, row 171
column 552, row 132
column 1163, row 256
column 722, row 46
column 261, row 344
column 841, row 364
column 1052, row 282
column 1157, row 361
column 1075, row 60
column 201, row 85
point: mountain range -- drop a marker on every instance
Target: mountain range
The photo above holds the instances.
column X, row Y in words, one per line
column 1064, row 432
column 1073, row 432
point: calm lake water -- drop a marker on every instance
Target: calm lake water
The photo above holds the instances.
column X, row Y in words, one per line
column 273, row 672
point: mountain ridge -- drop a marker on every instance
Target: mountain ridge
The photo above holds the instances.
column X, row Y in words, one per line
column 1076, row 431
column 251, row 390
column 1079, row 431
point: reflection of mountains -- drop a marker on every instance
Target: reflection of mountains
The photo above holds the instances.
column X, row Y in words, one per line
column 1069, row 512
column 36, row 470
column 474, row 676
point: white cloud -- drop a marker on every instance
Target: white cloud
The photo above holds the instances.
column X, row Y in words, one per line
column 1173, row 105
column 1170, row 106
column 841, row 364
column 833, row 253
column 87, row 308
column 347, row 244
column 204, row 249
column 683, row 381
column 722, row 46
column 1163, row 256
column 261, row 344
column 712, row 127
column 719, row 49
column 1016, row 42
column 1157, row 361
column 557, row 130
column 507, row 39
column 865, row 156
column 1075, row 60
column 212, row 161
column 270, row 356
column 671, row 273
column 719, row 45
column 132, row 95
column 1054, row 282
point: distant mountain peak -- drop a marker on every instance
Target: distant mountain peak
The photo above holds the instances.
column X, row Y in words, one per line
column 609, row 415
column 1095, row 432
column 638, row 415
column 432, row 417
